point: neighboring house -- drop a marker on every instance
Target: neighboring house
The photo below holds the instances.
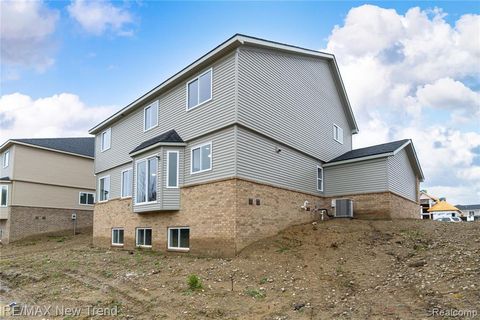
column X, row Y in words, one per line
column 427, row 201
column 43, row 182
column 443, row 209
column 470, row 212
column 226, row 152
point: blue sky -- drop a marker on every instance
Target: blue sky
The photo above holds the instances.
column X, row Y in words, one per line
column 411, row 69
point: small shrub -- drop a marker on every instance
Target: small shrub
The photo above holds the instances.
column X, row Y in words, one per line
column 194, row 282
column 254, row 293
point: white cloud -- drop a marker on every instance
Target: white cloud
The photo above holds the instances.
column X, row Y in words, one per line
column 25, row 33
column 405, row 76
column 98, row 17
column 62, row 115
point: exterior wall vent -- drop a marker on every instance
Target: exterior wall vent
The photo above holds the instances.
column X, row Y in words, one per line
column 343, row 208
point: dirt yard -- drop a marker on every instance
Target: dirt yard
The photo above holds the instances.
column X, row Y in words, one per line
column 341, row 269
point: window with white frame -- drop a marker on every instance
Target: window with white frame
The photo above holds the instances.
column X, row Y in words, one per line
column 86, row 198
column 6, row 158
column 104, row 188
column 179, row 238
column 337, row 133
column 3, row 196
column 201, row 158
column 199, row 90
column 117, row 236
column 146, row 186
column 319, row 178
column 172, row 169
column 105, row 139
column 150, row 116
column 144, row 237
column 126, row 183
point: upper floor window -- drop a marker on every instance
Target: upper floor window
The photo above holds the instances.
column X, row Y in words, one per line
column 201, row 158
column 337, row 133
column 146, row 173
column 319, row 178
column 3, row 195
column 172, row 169
column 199, row 90
column 106, row 137
column 6, row 158
column 150, row 116
column 86, row 198
column 126, row 183
column 104, row 188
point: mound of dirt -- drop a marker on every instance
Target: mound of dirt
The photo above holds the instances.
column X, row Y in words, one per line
column 338, row 269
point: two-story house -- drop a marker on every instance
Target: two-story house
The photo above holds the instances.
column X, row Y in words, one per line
column 42, row 183
column 226, row 152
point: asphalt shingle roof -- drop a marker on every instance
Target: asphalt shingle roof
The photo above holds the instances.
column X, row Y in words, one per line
column 468, row 206
column 370, row 151
column 81, row 146
column 169, row 136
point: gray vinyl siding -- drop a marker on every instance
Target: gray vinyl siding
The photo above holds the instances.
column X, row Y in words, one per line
column 357, row 177
column 115, row 180
column 128, row 133
column 402, row 178
column 258, row 160
column 292, row 99
column 223, row 157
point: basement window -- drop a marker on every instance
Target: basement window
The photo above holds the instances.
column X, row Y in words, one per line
column 144, row 237
column 179, row 238
column 117, row 236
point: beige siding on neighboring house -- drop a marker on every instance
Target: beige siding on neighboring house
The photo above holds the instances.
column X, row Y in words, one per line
column 47, row 196
column 37, row 165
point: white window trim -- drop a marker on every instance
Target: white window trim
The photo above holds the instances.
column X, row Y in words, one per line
column 6, row 156
column 121, row 184
column 198, row 89
column 85, row 204
column 168, row 170
column 118, row 244
column 146, row 181
column 102, row 149
column 100, row 190
column 136, row 238
column 334, row 133
column 168, row 240
column 191, row 157
column 153, row 104
column 6, row 202
column 318, row 178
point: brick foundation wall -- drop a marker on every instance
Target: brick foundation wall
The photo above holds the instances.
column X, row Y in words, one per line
column 278, row 209
column 31, row 221
column 383, row 206
column 207, row 209
column 222, row 221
